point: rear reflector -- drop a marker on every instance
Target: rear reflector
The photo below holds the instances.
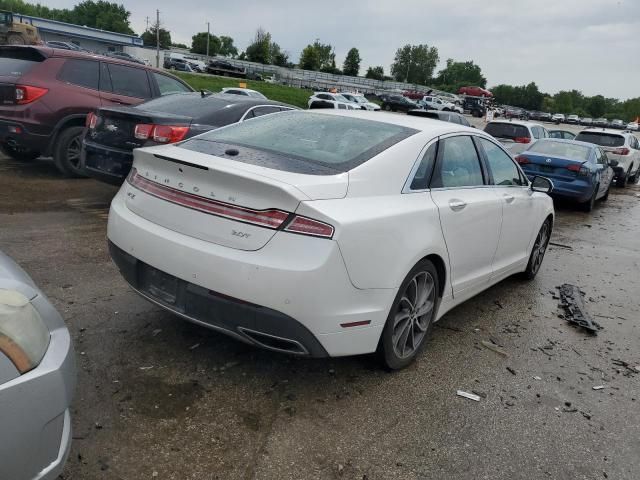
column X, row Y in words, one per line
column 160, row 133
column 309, row 226
column 91, row 121
column 27, row 94
column 355, row 324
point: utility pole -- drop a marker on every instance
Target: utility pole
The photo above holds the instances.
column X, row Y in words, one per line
column 147, row 29
column 157, row 38
column 208, row 35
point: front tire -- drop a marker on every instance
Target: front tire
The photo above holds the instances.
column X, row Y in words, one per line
column 538, row 250
column 66, row 152
column 411, row 317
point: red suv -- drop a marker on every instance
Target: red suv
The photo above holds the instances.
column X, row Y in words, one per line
column 474, row 91
column 46, row 93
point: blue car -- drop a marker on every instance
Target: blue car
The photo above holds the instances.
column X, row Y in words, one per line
column 580, row 171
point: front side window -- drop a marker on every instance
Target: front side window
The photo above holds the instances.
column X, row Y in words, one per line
column 458, row 165
column 503, row 169
column 129, row 81
column 84, row 73
column 168, row 85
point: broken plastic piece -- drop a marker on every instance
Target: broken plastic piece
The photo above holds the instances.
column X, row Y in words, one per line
column 468, row 395
column 493, row 347
column 598, row 387
column 575, row 311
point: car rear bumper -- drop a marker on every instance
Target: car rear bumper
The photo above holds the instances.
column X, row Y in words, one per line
column 35, row 437
column 294, row 290
column 577, row 191
column 109, row 165
column 29, row 137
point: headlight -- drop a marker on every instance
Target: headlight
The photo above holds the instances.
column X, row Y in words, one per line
column 24, row 337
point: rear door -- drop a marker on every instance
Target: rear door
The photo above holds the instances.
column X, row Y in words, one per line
column 512, row 190
column 123, row 84
column 470, row 214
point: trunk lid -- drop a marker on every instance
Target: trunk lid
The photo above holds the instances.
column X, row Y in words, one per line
column 549, row 166
column 15, row 62
column 115, row 126
column 217, row 199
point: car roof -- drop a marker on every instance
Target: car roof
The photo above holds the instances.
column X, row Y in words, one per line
column 519, row 122
column 240, row 89
column 604, row 130
column 428, row 125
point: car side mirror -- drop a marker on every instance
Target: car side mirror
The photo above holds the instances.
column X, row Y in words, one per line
column 613, row 163
column 541, row 184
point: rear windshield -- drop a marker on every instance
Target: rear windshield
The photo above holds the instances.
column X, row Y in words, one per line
column 311, row 142
column 507, row 130
column 16, row 62
column 561, row 149
column 601, row 138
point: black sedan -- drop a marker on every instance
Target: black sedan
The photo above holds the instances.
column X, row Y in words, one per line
column 398, row 103
column 113, row 132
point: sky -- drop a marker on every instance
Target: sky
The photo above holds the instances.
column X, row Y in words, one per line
column 589, row 45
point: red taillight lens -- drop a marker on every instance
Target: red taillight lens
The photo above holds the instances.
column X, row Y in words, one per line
column 309, row 226
column 143, row 131
column 574, row 167
column 522, row 160
column 91, row 121
column 522, row 140
column 27, row 94
column 621, row 151
column 169, row 134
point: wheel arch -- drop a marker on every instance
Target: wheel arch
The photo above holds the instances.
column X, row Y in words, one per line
column 441, row 268
column 75, row 120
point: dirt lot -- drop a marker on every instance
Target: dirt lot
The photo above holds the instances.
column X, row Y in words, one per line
column 160, row 398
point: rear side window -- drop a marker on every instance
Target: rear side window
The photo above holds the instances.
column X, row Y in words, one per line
column 168, row 85
column 304, row 140
column 84, row 73
column 601, row 138
column 129, row 81
column 458, row 165
column 421, row 177
column 18, row 62
column 507, row 130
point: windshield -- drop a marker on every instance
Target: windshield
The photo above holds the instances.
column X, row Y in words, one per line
column 601, row 138
column 561, row 149
column 334, row 142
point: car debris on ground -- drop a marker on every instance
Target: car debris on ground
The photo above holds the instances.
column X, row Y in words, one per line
column 575, row 311
column 470, row 396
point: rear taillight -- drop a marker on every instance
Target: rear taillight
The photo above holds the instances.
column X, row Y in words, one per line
column 270, row 218
column 160, row 133
column 578, row 168
column 27, row 94
column 522, row 160
column 620, row 151
column 522, row 140
column 91, row 121
column 309, row 226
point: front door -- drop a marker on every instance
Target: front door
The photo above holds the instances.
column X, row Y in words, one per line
column 470, row 214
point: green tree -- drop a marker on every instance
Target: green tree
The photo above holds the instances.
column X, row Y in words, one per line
column 227, row 48
column 596, row 106
column 278, row 57
column 149, row 37
column 351, row 64
column 260, row 48
column 199, row 44
column 524, row 96
column 318, row 56
column 415, row 64
column 179, row 45
column 458, row 74
column 377, row 73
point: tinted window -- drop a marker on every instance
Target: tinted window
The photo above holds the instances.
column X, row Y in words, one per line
column 555, row 134
column 168, row 85
column 601, row 138
column 600, row 157
column 338, row 143
column 507, row 130
column 85, row 73
column 18, row 62
column 342, row 106
column 459, row 165
column 129, row 81
column 105, row 78
column 259, row 111
column 502, row 168
column 421, row 177
column 561, row 149
column 325, row 97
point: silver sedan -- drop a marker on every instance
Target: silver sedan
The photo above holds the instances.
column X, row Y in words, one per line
column 37, row 380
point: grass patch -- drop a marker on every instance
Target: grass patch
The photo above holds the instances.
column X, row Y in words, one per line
column 280, row 93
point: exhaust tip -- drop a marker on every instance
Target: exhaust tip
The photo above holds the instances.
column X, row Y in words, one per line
column 273, row 342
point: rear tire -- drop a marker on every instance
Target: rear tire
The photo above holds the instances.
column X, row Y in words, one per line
column 411, row 317
column 66, row 152
column 589, row 204
column 20, row 155
column 605, row 197
column 538, row 251
column 633, row 178
column 621, row 182
column 15, row 39
column 387, row 108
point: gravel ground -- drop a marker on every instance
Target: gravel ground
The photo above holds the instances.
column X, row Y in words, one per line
column 161, row 398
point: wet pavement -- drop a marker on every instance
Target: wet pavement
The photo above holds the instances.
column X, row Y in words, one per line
column 161, row 398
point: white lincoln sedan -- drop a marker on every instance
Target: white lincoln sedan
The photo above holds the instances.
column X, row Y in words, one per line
column 327, row 233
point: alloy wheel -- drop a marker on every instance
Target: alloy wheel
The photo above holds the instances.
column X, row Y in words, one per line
column 539, row 247
column 413, row 314
column 73, row 152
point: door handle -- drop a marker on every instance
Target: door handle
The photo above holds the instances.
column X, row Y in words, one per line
column 456, row 205
column 509, row 198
